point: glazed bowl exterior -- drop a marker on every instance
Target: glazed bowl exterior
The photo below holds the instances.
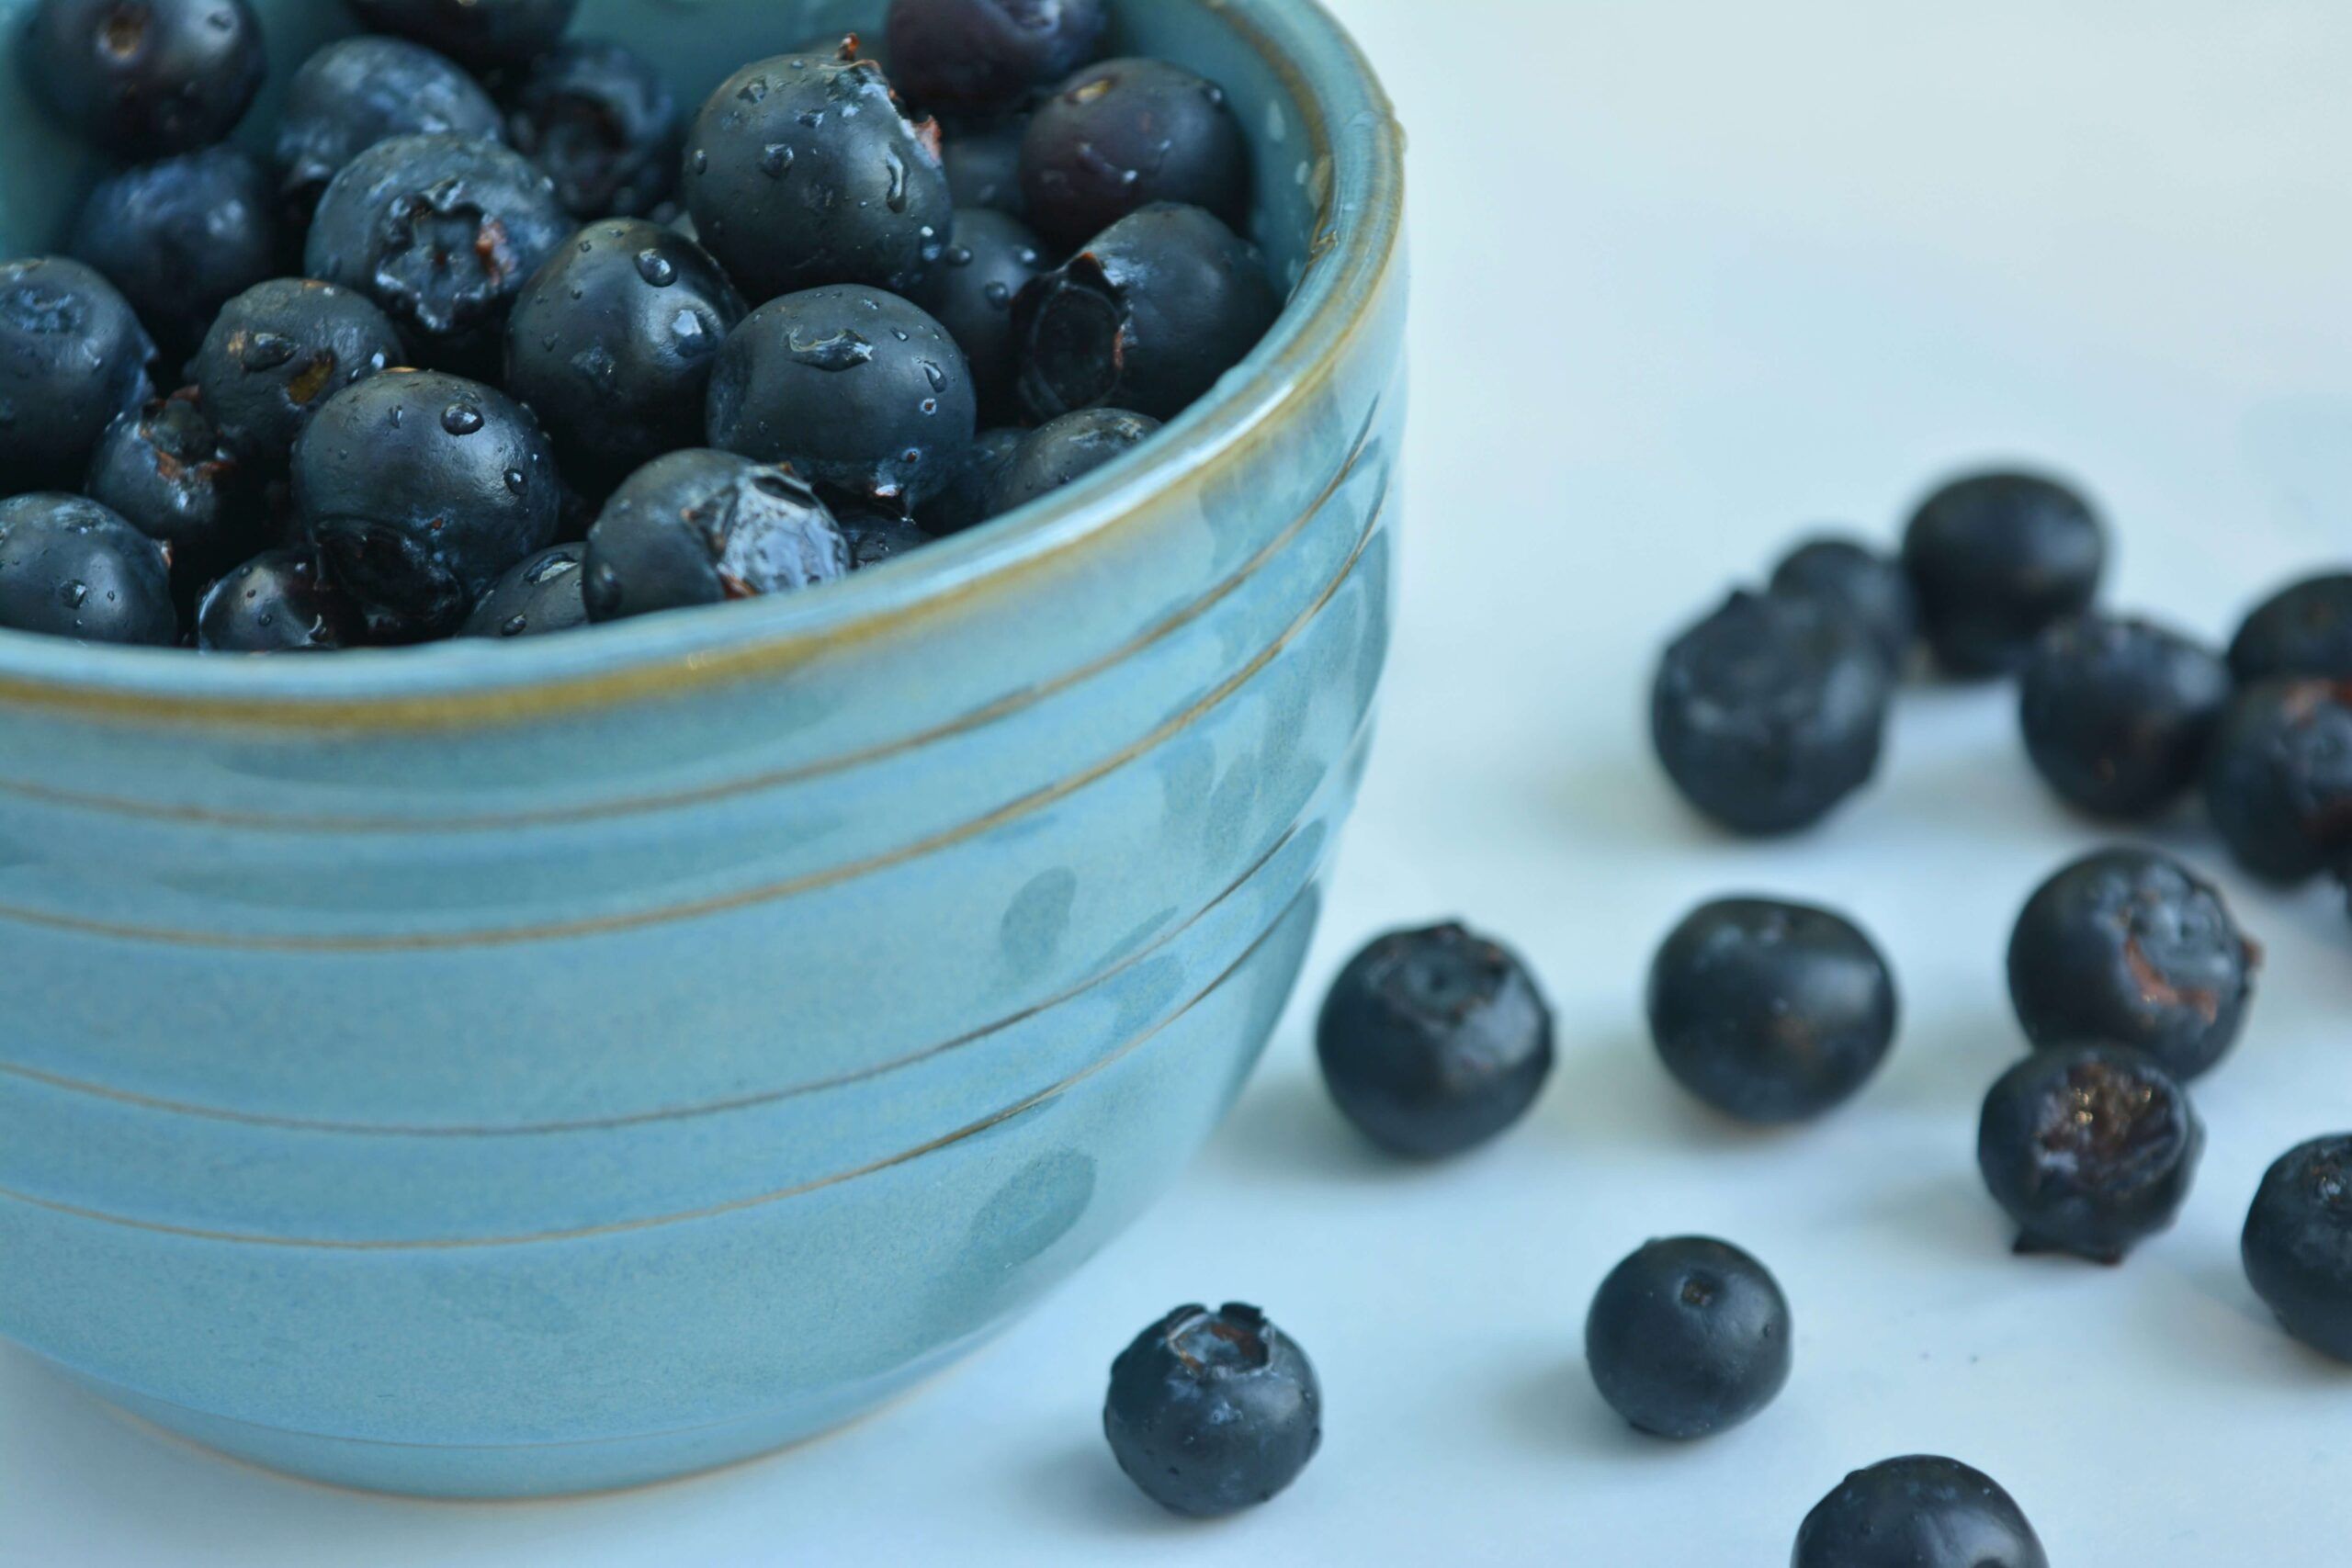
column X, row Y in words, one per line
column 496, row 1069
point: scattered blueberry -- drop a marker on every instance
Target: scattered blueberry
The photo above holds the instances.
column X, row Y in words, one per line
column 278, row 601
column 2278, row 778
column 2118, row 714
column 1856, row 580
column 2090, row 1148
column 987, row 261
column 968, row 499
column 180, row 238
column 2303, row 630
column 71, row 567
column 2297, row 1244
column 1995, row 560
column 144, row 79
column 539, row 594
column 72, row 356
column 480, row 33
column 698, row 528
column 989, row 55
column 1770, row 1011
column 356, row 92
column 1065, row 451
column 604, row 125
column 1689, row 1338
column 164, row 470
column 1213, row 1412
column 279, row 350
column 1917, row 1513
column 1122, row 135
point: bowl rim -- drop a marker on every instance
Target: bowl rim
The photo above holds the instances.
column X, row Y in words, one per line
column 1350, row 128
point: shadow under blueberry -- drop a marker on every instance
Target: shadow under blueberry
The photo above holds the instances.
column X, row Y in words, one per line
column 1082, row 1486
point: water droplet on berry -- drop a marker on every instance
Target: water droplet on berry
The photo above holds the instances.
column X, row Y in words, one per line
column 461, row 419
column 267, row 350
column 72, row 594
column 516, row 625
column 656, row 269
column 775, row 160
column 516, row 479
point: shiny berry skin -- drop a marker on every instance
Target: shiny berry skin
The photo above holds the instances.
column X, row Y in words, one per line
column 1853, row 579
column 421, row 488
column 878, row 536
column 165, row 471
column 1433, row 1041
column 2296, row 1247
column 985, row 54
column 2278, row 778
column 2090, row 1149
column 1769, row 1011
column 278, row 351
column 1769, row 712
column 859, row 391
column 539, row 594
column 969, row 498
column 356, row 92
column 987, row 261
column 71, row 357
column 143, row 78
column 479, row 34
column 613, row 341
column 1213, row 1412
column 982, row 159
column 2304, row 629
column 71, row 567
column 1126, row 133
column 1064, row 452
column 701, row 527
column 2131, row 947
column 279, row 602
column 603, row 124
column 2117, row 713
column 1920, row 1512
column 180, row 238
column 1146, row 317
column 1995, row 560
column 442, row 232
column 1689, row 1338
column 802, row 171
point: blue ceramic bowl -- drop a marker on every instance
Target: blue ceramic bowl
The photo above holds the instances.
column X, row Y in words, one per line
column 506, row 1069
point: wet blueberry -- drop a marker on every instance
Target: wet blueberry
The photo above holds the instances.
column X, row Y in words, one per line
column 422, row 489
column 1920, row 1512
column 143, row 78
column 356, row 92
column 603, row 124
column 480, row 33
column 698, row 528
column 279, row 350
column 539, row 594
column 71, row 357
column 982, row 159
column 1433, row 1041
column 984, row 54
column 2129, row 947
column 877, row 535
column 1213, row 1412
column 858, row 390
column 2278, row 778
column 1689, row 1338
column 2089, row 1149
column 970, row 497
column 2118, row 714
column 1769, row 712
column 2297, row 1244
column 279, row 602
column 165, row 471
column 1853, row 579
column 613, row 341
column 1126, row 133
column 803, row 171
column 1066, row 451
column 71, row 567
column 987, row 261
column 1770, row 1011
column 2304, row 629
column 181, row 238
column 1996, row 558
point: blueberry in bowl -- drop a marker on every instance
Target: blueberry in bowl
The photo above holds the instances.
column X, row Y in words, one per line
column 166, row 470
column 989, row 259
column 279, row 600
column 72, row 358
column 1124, row 134
column 1063, row 451
column 143, row 80
column 353, row 93
column 605, row 126
column 699, row 527
column 540, row 594
column 180, row 238
column 71, row 567
column 978, row 55
column 277, row 352
column 482, row 34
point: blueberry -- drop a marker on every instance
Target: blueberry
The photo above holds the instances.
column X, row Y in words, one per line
column 180, row 238
column 1689, row 1338
column 1769, row 712
column 2118, row 714
column 279, row 602
column 2297, row 1244
column 539, row 594
column 356, row 92
column 72, row 356
column 2129, row 947
column 1146, row 317
column 859, row 391
column 604, row 125
column 984, row 54
column 1126, row 133
column 698, row 528
column 987, row 261
column 982, row 159
column 165, row 471
column 968, row 499
column 613, row 341
column 1855, row 580
column 143, row 78
column 480, row 33
column 442, row 232
column 279, row 350
column 1213, row 1412
column 1770, row 1011
column 2089, row 1149
column 1433, row 1041
column 1917, row 1513
column 2304, row 629
column 1996, row 558
column 2278, row 778
column 71, row 567
column 877, row 535
column 421, row 488
column 1065, row 452
column 802, row 171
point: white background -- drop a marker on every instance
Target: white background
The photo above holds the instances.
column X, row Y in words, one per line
column 1687, row 275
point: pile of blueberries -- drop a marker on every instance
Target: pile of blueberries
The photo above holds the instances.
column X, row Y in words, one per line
column 502, row 338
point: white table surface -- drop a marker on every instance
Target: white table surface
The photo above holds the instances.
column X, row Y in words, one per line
column 1687, row 275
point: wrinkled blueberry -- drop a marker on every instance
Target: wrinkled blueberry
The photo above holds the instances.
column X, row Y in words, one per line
column 143, row 78
column 698, row 527
column 985, row 54
column 2278, row 778
column 539, row 594
column 1066, row 451
column 1689, row 1338
column 2089, row 1149
column 72, row 356
column 1853, row 579
column 181, row 238
column 356, row 92
column 968, row 499
column 279, row 350
column 1920, row 1512
column 279, row 602
column 480, row 33
column 2297, row 1244
column 2304, row 629
column 164, row 470
column 987, row 261
column 1213, row 1412
column 1126, row 133
column 604, row 125
column 1996, row 558
column 2118, row 714
column 71, row 567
